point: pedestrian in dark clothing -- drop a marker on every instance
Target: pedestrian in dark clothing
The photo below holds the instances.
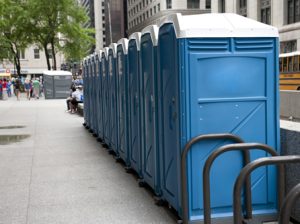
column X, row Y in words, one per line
column 17, row 88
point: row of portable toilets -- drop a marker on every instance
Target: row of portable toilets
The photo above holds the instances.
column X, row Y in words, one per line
column 158, row 98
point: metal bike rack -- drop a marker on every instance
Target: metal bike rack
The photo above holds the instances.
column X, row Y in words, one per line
column 247, row 170
column 288, row 204
column 188, row 146
column 244, row 147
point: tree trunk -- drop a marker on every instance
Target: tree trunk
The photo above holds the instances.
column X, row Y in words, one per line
column 16, row 59
column 53, row 55
column 18, row 64
column 47, row 56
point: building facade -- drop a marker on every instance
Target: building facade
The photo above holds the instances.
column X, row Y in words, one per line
column 283, row 14
column 33, row 62
column 116, row 23
column 142, row 13
column 99, row 21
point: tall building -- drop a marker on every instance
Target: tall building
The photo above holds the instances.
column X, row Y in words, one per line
column 283, row 14
column 142, row 13
column 88, row 5
column 95, row 9
column 116, row 23
column 100, row 29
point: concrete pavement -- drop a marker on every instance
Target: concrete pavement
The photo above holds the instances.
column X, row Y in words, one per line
column 61, row 175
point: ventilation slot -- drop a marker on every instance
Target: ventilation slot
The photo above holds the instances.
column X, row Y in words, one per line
column 254, row 45
column 209, row 45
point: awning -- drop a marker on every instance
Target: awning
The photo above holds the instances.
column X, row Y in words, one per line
column 5, row 74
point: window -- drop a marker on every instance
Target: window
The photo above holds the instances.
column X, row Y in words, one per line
column 280, row 65
column 243, row 8
column 221, row 6
column 50, row 53
column 158, row 7
column 265, row 12
column 288, row 46
column 290, row 64
column 208, row 4
column 193, row 4
column 169, row 4
column 21, row 54
column 295, row 63
column 140, row 5
column 36, row 53
column 293, row 11
column 147, row 14
column 150, row 12
column 154, row 9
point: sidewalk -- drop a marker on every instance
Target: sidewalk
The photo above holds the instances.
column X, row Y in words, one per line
column 61, row 175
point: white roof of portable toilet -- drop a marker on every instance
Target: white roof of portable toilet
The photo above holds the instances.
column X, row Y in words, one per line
column 106, row 52
column 218, row 25
column 124, row 43
column 57, row 73
column 113, row 46
column 136, row 36
column 99, row 53
column 153, row 30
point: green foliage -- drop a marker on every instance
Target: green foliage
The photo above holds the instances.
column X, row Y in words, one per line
column 59, row 23
column 14, row 23
column 49, row 24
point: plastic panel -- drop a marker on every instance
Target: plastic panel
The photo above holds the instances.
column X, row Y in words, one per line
column 112, row 91
column 123, row 121
column 134, row 102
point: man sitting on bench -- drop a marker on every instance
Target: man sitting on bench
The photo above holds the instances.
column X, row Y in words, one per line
column 76, row 98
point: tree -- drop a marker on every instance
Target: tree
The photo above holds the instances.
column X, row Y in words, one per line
column 58, row 25
column 14, row 23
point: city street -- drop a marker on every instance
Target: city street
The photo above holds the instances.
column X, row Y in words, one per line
column 53, row 171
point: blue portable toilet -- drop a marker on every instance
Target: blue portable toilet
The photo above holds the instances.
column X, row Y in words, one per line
column 112, row 88
column 122, row 86
column 98, row 95
column 93, row 95
column 105, row 97
column 219, row 76
column 90, row 93
column 85, row 92
column 149, row 41
column 135, row 80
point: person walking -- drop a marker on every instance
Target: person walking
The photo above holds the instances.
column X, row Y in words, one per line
column 4, row 88
column 1, row 89
column 9, row 88
column 36, row 88
column 17, row 88
column 27, row 86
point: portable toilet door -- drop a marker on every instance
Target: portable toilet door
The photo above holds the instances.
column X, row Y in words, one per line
column 90, row 77
column 112, row 86
column 105, row 99
column 134, row 102
column 85, row 92
column 93, row 98
column 87, row 89
column 217, row 77
column 122, row 86
column 94, row 93
column 150, row 153
column 99, row 95
column 97, row 88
